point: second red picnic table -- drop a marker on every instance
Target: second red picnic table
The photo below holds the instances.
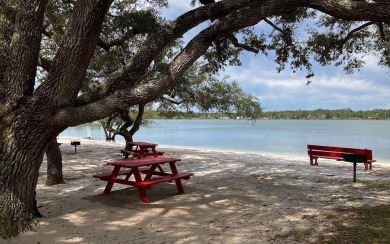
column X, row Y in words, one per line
column 141, row 149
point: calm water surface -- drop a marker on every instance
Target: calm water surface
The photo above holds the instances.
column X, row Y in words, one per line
column 267, row 136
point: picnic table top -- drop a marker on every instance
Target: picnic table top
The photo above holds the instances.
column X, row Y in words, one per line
column 142, row 144
column 135, row 163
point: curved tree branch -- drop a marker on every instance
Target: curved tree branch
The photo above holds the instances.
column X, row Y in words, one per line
column 138, row 120
column 286, row 36
column 148, row 92
column 350, row 34
column 351, row 10
column 382, row 32
column 172, row 101
column 106, row 45
column 236, row 43
column 135, row 69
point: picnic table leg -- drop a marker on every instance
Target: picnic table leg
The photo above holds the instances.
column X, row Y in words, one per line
column 154, row 152
column 354, row 172
column 142, row 151
column 142, row 194
column 179, row 185
column 141, row 190
column 111, row 180
column 150, row 172
column 129, row 174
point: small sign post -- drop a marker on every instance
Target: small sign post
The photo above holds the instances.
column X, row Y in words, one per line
column 75, row 144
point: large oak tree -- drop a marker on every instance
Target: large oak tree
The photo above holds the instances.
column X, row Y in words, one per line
column 32, row 114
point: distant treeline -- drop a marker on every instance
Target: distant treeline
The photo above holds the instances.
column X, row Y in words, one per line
column 376, row 114
column 336, row 114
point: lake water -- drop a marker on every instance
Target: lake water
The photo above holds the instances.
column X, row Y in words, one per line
column 264, row 136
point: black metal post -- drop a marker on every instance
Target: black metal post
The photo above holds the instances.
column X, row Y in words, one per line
column 75, row 143
column 354, row 171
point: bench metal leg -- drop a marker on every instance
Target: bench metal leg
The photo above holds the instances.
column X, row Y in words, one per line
column 367, row 166
column 313, row 161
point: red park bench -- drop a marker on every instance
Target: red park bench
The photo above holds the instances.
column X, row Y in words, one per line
column 354, row 155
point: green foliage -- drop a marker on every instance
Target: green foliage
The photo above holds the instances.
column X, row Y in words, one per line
column 200, row 91
column 376, row 114
column 221, row 55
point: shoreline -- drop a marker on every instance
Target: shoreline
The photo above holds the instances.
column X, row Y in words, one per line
column 232, row 198
column 380, row 161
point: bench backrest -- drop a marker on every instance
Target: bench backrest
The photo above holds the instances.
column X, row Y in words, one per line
column 336, row 152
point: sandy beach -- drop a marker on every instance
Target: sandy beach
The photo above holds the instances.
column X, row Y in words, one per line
column 232, row 198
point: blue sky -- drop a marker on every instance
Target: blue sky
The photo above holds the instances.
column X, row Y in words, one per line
column 331, row 87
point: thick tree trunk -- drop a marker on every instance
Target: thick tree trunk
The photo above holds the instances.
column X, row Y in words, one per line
column 20, row 159
column 54, row 164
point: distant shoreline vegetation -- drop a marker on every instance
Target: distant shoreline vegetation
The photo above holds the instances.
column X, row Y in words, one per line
column 318, row 114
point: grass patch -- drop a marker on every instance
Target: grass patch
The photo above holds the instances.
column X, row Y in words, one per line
column 358, row 225
column 378, row 185
column 299, row 235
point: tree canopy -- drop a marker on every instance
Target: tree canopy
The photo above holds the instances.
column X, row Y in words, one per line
column 67, row 39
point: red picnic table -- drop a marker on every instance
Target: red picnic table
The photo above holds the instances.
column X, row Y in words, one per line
column 152, row 169
column 140, row 149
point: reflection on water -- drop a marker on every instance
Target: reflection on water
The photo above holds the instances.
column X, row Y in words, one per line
column 270, row 136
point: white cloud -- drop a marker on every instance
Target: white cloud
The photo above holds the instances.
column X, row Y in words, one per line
column 330, row 89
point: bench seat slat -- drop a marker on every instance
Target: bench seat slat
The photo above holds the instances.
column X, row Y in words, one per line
column 122, row 172
column 337, row 149
column 105, row 175
column 164, row 178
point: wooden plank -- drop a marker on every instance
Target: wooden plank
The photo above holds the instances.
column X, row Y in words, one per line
column 124, row 172
column 165, row 178
column 338, row 149
column 142, row 144
column 149, row 154
column 326, row 154
column 135, row 163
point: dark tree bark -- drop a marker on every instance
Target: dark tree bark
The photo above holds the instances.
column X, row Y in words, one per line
column 26, row 127
column 54, row 164
column 32, row 118
column 108, row 127
column 124, row 131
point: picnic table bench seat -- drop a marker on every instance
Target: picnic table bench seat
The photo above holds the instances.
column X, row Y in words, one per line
column 149, row 182
column 165, row 178
column 122, row 172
